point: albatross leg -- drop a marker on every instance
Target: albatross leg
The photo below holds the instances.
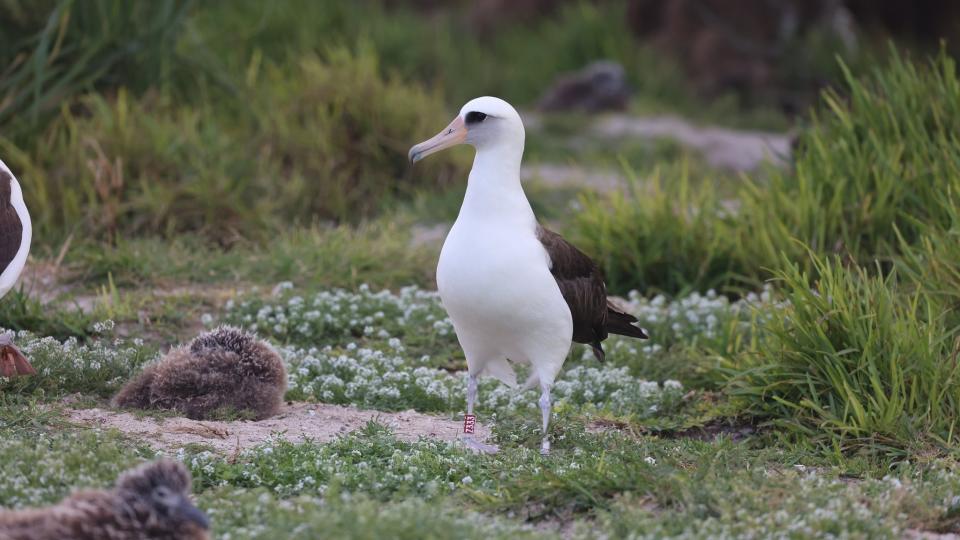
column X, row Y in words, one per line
column 471, row 392
column 470, row 421
column 545, row 411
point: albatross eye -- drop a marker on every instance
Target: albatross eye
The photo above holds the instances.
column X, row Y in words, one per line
column 475, row 117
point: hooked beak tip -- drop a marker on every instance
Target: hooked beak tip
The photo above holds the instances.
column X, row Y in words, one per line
column 454, row 134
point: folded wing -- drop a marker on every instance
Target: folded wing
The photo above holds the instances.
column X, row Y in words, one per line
column 582, row 286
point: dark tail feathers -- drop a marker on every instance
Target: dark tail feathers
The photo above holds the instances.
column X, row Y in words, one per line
column 622, row 324
column 618, row 323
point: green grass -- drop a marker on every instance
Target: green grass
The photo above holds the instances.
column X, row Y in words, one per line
column 854, row 364
column 879, row 158
column 41, row 465
column 932, row 264
column 641, row 475
column 249, row 191
column 56, row 49
column 243, row 514
column 378, row 253
column 876, row 170
column 324, row 139
column 440, row 48
column 22, row 312
column 370, row 484
column 309, row 118
column 666, row 234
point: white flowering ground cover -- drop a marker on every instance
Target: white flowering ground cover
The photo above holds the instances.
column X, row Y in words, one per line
column 391, row 351
column 380, row 349
column 388, row 380
column 338, row 317
column 97, row 368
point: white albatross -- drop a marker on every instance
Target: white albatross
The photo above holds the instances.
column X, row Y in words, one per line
column 15, row 234
column 515, row 291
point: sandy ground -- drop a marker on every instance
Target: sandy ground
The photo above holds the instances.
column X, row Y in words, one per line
column 315, row 421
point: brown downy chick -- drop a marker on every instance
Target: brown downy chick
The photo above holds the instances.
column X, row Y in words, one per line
column 223, row 370
column 151, row 502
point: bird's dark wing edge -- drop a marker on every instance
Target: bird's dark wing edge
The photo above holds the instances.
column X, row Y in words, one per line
column 11, row 230
column 581, row 284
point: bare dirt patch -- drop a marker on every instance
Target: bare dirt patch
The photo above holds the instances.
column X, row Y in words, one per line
column 317, row 422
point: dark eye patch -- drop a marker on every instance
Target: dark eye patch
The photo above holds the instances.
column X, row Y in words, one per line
column 475, row 117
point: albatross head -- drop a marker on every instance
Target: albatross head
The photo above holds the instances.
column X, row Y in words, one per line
column 485, row 122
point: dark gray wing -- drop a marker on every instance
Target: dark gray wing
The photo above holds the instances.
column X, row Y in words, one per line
column 11, row 230
column 582, row 286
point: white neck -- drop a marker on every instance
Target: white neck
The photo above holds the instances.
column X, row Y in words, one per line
column 493, row 189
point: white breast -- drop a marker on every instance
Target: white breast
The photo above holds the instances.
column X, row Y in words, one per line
column 495, row 282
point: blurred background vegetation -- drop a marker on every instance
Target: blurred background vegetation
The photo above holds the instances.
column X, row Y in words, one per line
column 223, row 123
column 232, row 118
column 237, row 142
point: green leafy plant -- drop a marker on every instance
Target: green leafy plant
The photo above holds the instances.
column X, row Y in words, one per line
column 881, row 156
column 55, row 49
column 325, row 140
column 665, row 234
column 854, row 363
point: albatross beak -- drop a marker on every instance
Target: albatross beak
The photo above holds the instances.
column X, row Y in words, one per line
column 192, row 514
column 452, row 135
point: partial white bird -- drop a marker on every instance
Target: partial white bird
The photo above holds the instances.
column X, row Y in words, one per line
column 515, row 291
column 15, row 234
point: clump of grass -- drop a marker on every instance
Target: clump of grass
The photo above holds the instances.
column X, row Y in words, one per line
column 370, row 461
column 853, row 364
column 932, row 264
column 880, row 157
column 20, row 311
column 371, row 378
column 125, row 167
column 689, row 336
column 323, row 140
column 664, row 234
column 55, row 49
column 382, row 377
column 343, row 131
column 875, row 171
column 585, row 471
